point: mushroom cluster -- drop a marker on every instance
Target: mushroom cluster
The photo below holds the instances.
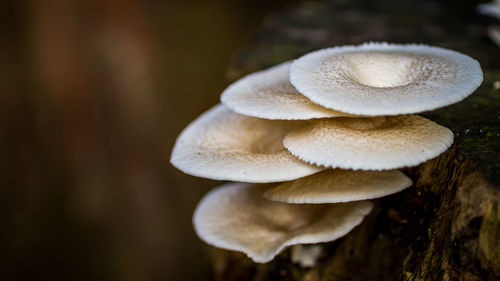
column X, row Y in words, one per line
column 309, row 143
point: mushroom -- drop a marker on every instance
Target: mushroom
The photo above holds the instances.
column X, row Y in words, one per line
column 236, row 217
column 335, row 186
column 268, row 94
column 223, row 145
column 385, row 79
column 363, row 87
column 365, row 144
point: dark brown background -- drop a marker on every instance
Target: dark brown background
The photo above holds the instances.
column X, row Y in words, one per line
column 93, row 95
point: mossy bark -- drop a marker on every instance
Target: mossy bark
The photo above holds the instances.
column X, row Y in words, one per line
column 447, row 226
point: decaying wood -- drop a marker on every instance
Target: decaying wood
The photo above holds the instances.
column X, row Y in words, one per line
column 447, row 226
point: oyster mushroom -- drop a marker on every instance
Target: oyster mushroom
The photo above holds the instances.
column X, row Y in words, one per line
column 223, row 145
column 335, row 186
column 369, row 144
column 385, row 79
column 236, row 217
column 268, row 94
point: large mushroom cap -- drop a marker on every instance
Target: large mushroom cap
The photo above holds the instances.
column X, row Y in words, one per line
column 385, row 79
column 224, row 145
column 334, row 186
column 361, row 143
column 236, row 217
column 268, row 94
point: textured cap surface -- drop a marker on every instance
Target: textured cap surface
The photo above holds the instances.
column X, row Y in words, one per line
column 335, row 185
column 385, row 79
column 224, row 145
column 236, row 217
column 396, row 142
column 269, row 94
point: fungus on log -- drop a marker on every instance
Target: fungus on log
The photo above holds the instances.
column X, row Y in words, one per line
column 446, row 226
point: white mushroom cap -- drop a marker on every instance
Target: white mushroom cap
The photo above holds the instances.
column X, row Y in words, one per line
column 397, row 142
column 334, row 186
column 236, row 217
column 268, row 94
column 385, row 79
column 223, row 145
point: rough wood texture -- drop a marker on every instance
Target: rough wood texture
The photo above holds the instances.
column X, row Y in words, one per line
column 446, row 227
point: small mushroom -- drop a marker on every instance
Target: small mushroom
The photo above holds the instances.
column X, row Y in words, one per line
column 268, row 94
column 236, row 217
column 385, row 79
column 399, row 141
column 223, row 145
column 335, row 186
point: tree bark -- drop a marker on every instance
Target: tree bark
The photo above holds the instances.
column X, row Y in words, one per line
column 445, row 227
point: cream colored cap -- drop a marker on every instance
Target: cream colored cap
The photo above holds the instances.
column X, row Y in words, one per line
column 236, row 217
column 335, row 186
column 385, row 79
column 369, row 143
column 268, row 94
column 223, row 145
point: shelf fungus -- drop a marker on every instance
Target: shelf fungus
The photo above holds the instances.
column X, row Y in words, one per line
column 342, row 128
column 385, row 79
column 268, row 94
column 361, row 144
column 224, row 145
column 237, row 217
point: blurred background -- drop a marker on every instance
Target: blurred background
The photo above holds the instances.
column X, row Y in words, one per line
column 94, row 94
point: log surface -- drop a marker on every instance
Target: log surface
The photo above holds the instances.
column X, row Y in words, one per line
column 445, row 227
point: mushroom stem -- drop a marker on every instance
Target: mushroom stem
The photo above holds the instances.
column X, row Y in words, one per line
column 306, row 255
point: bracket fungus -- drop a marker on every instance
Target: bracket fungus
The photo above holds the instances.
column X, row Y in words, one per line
column 356, row 97
column 224, row 145
column 235, row 216
column 385, row 79
column 269, row 94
